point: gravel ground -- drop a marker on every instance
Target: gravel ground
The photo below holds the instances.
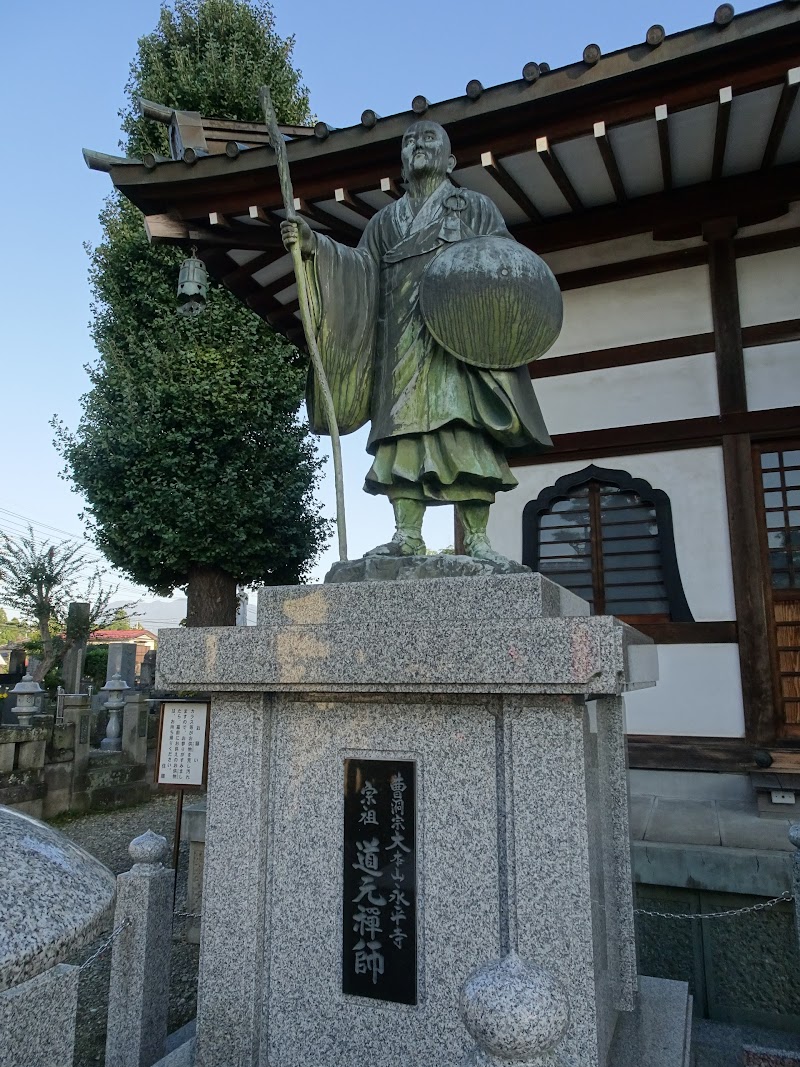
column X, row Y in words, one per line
column 107, row 836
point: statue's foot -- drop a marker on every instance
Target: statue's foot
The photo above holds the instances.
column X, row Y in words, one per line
column 479, row 548
column 400, row 545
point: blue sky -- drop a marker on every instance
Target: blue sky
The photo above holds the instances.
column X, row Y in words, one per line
column 63, row 68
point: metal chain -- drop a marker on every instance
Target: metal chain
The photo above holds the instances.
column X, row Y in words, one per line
column 103, row 948
column 715, row 914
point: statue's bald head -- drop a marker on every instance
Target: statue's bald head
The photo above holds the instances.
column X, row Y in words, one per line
column 426, row 151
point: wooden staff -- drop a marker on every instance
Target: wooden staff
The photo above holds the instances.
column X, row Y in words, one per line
column 282, row 162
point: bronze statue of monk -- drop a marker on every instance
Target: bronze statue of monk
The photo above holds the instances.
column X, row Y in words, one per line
column 441, row 427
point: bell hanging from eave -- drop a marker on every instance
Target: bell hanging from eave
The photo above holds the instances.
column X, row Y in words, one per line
column 192, row 286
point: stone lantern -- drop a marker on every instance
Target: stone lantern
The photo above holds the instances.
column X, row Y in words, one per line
column 26, row 692
column 116, row 689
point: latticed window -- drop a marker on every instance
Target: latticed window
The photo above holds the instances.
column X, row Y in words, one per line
column 780, row 487
column 780, row 480
column 608, row 538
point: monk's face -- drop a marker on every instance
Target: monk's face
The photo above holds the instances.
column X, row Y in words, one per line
column 426, row 152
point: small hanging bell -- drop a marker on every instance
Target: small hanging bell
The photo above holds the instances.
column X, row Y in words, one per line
column 192, row 286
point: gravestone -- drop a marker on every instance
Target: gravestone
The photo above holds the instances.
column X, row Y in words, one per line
column 409, row 780
column 122, row 661
column 77, row 629
column 147, row 671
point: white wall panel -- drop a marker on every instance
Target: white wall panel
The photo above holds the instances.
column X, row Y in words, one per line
column 772, row 374
column 769, row 286
column 650, row 308
column 692, row 478
column 684, row 388
column 699, row 694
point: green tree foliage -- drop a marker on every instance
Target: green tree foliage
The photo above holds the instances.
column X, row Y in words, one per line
column 121, row 621
column 39, row 580
column 12, row 631
column 211, row 56
column 189, row 451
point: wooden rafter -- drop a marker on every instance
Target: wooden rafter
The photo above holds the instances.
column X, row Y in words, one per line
column 342, row 230
column 787, row 99
column 557, row 173
column 391, row 188
column 355, row 203
column 261, row 214
column 721, row 131
column 169, row 229
column 495, row 169
column 603, row 143
column 278, row 312
column 266, row 293
column 664, row 148
column 264, row 303
column 242, row 277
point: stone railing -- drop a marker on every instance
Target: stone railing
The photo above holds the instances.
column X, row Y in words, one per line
column 47, row 768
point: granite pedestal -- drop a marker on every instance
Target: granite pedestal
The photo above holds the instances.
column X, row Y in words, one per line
column 507, row 697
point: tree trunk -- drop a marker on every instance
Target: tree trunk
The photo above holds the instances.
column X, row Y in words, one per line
column 211, row 595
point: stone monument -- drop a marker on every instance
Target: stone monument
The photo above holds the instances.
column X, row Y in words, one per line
column 417, row 843
column 409, row 781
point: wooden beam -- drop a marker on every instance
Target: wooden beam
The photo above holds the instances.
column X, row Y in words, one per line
column 609, row 161
column 279, row 312
column 735, row 196
column 649, row 752
column 770, row 333
column 495, row 169
column 623, row 356
column 557, row 173
column 741, row 488
column 216, row 218
column 391, row 188
column 689, row 633
column 787, row 98
column 604, row 273
column 165, row 229
column 355, row 203
column 664, row 150
column 721, row 131
column 241, row 279
column 339, row 229
column 770, row 424
column 261, row 214
column 264, row 298
column 725, row 314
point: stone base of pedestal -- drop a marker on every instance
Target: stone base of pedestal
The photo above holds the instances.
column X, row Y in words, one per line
column 408, row 780
column 658, row 1032
column 415, row 568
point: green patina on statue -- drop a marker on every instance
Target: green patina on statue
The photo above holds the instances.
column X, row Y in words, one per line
column 425, row 329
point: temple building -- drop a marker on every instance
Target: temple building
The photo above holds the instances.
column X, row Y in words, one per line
column 661, row 183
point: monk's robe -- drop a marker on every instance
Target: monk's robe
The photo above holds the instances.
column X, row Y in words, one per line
column 441, row 428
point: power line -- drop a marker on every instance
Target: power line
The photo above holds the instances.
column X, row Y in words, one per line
column 44, row 525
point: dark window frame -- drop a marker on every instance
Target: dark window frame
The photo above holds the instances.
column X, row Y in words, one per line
column 657, row 499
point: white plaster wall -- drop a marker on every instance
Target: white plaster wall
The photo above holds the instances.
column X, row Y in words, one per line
column 684, row 388
column 772, row 374
column 699, row 694
column 692, row 478
column 650, row 308
column 769, row 286
column 635, row 246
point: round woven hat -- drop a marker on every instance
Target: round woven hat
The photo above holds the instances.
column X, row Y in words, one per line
column 491, row 302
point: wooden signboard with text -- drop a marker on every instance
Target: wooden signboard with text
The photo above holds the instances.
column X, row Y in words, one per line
column 182, row 760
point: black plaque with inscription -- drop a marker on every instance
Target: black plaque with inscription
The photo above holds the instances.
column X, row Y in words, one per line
column 379, row 925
